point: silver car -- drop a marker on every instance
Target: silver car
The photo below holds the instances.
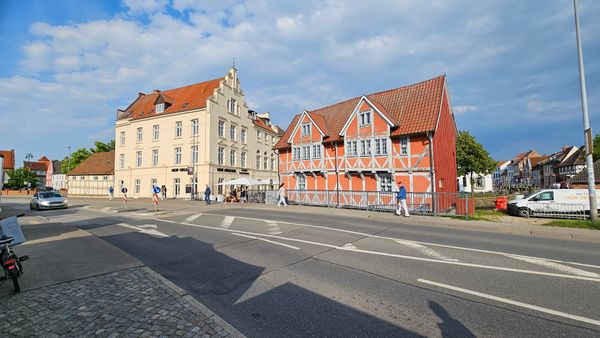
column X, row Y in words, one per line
column 48, row 200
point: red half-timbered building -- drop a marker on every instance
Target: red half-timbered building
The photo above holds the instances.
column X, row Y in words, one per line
column 370, row 142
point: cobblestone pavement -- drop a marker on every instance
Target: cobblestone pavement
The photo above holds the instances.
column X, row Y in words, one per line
column 129, row 303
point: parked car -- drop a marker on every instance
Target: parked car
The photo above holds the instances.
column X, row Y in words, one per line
column 550, row 202
column 48, row 200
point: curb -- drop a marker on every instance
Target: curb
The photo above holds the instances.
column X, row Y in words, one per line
column 233, row 332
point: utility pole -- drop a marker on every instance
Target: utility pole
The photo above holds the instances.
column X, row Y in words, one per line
column 195, row 159
column 68, row 169
column 587, row 131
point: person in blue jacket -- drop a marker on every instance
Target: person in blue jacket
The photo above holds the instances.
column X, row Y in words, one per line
column 207, row 194
column 401, row 200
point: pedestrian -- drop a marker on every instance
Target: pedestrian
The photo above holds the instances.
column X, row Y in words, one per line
column 111, row 192
column 163, row 190
column 401, row 200
column 563, row 185
column 281, row 194
column 243, row 194
column 207, row 194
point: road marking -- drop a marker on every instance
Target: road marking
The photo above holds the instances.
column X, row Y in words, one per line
column 273, row 227
column 67, row 235
column 226, row 222
column 105, row 209
column 144, row 231
column 514, row 302
column 363, row 234
column 266, row 240
column 425, row 250
column 487, row 267
column 193, row 217
column 555, row 266
column 349, row 246
column 145, row 226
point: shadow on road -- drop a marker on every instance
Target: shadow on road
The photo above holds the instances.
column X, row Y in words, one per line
column 449, row 327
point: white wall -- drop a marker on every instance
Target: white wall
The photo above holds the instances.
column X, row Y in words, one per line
column 464, row 184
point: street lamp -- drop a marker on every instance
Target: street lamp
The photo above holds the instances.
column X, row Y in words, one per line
column 587, row 131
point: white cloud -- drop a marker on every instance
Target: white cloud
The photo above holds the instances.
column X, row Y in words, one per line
column 464, row 109
column 145, row 6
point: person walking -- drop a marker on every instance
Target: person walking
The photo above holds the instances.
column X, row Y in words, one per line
column 163, row 190
column 207, row 194
column 111, row 193
column 401, row 201
column 243, row 194
column 281, row 194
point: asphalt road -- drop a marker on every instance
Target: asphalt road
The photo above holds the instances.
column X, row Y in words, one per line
column 283, row 273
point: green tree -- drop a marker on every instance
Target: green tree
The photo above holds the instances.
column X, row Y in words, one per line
column 103, row 147
column 20, row 178
column 471, row 157
column 596, row 146
column 82, row 154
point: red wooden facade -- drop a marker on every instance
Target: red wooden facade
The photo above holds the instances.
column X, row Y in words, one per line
column 369, row 143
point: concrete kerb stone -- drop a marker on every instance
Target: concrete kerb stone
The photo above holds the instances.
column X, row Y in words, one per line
column 195, row 303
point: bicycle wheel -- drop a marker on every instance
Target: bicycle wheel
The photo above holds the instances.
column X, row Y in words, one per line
column 14, row 275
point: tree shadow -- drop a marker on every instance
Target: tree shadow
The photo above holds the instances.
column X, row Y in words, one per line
column 449, row 327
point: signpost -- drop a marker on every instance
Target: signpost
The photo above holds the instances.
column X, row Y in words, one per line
column 155, row 192
column 124, row 192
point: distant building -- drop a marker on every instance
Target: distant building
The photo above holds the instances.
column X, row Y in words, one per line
column 580, row 180
column 8, row 164
column 93, row 176
column 499, row 175
column 42, row 169
column 481, row 183
column 520, row 168
column 59, row 180
column 572, row 165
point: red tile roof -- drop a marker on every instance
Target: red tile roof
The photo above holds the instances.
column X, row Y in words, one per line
column 9, row 158
column 97, row 164
column 262, row 124
column 180, row 99
column 36, row 166
column 414, row 109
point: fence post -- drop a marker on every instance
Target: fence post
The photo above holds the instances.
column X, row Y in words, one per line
column 467, row 206
column 434, row 196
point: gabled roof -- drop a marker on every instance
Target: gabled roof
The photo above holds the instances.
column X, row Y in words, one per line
column 180, row 99
column 537, row 161
column 520, row 157
column 263, row 125
column 577, row 158
column 36, row 166
column 414, row 109
column 9, row 158
column 97, row 164
column 583, row 176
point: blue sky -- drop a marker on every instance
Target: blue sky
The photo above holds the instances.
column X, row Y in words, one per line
column 67, row 66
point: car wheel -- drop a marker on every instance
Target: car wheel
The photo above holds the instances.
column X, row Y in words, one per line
column 524, row 212
column 37, row 207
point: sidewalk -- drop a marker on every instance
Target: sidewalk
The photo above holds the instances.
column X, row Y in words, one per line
column 77, row 285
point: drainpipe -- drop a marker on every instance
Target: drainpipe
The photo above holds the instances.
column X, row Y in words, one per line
column 432, row 174
column 337, row 176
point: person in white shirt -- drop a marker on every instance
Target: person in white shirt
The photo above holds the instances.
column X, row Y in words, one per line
column 281, row 194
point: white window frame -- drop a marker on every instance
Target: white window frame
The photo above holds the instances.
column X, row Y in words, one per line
column 177, row 155
column 195, row 127
column 386, row 182
column 137, row 186
column 243, row 161
column 365, row 118
column 244, row 135
column 160, row 108
column 140, row 134
column 122, row 161
column 265, row 161
column 352, row 148
column 123, row 138
column 316, row 151
column 258, row 136
column 154, row 157
column 178, row 129
column 233, row 132
column 272, row 162
column 231, row 105
column 221, row 128
column 232, row 157
column 258, row 160
column 221, row 155
column 365, row 147
column 306, row 129
column 194, row 154
column 404, row 146
column 138, row 159
column 155, row 132
column 301, row 182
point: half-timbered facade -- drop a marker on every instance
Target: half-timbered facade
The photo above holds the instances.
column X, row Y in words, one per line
column 370, row 142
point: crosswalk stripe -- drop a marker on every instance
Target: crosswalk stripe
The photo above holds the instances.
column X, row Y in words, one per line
column 193, row 217
column 226, row 222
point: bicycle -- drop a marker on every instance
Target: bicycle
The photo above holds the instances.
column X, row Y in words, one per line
column 10, row 262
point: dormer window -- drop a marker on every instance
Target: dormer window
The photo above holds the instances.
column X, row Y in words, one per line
column 365, row 118
column 306, row 129
column 160, row 108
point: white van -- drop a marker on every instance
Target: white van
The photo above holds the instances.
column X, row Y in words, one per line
column 549, row 202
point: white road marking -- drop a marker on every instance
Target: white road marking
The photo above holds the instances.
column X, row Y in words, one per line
column 514, row 302
column 273, row 227
column 144, row 231
column 193, row 217
column 67, row 235
column 363, row 234
column 555, row 266
column 153, row 226
column 349, row 246
column 425, row 250
column 226, row 222
column 266, row 240
column 105, row 209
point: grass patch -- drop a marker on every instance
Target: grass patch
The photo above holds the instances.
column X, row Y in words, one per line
column 574, row 223
column 482, row 215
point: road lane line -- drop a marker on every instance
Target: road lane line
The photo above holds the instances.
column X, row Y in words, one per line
column 514, row 302
column 144, row 231
column 153, row 226
column 487, row 267
column 555, row 266
column 349, row 246
column 226, row 222
column 193, row 217
column 425, row 250
column 273, row 227
column 363, row 234
column 266, row 240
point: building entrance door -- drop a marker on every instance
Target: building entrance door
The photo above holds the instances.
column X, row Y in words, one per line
column 177, row 186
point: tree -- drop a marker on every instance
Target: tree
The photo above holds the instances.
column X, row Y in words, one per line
column 103, row 147
column 21, row 178
column 82, row 154
column 596, row 143
column 471, row 157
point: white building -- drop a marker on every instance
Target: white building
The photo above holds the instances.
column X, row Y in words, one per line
column 481, row 183
column 93, row 176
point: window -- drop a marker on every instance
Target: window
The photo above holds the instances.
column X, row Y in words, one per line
column 153, row 183
column 219, row 186
column 122, row 138
column 266, row 138
column 380, row 146
column 364, row 118
column 479, row 182
column 272, row 163
column 385, row 182
column 305, row 152
column 232, row 132
column 221, row 129
column 265, row 161
column 231, row 106
column 243, row 135
column 122, row 161
column 137, row 186
column 194, row 154
column 138, row 158
column 258, row 136
column 95, row 178
column 160, row 108
column 177, row 155
column 178, row 129
column 301, row 182
column 316, row 148
column 243, row 159
column 105, row 178
column 155, row 132
column 404, row 146
column 295, row 153
column 351, row 148
column 195, row 128
column 220, row 155
column 545, row 196
column 257, row 160
column 306, row 129
column 365, row 147
column 177, row 186
column 154, row 157
column 232, row 158
column 139, row 134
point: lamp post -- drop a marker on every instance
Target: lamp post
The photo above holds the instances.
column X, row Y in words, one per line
column 68, row 169
column 587, row 131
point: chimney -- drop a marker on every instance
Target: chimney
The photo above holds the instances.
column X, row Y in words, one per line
column 155, row 91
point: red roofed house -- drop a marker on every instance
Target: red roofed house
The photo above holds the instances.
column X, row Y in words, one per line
column 370, row 142
column 93, row 176
column 8, row 163
column 42, row 168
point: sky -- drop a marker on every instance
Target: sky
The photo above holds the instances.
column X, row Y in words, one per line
column 66, row 66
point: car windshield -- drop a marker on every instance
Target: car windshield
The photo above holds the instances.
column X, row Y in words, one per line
column 49, row 195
